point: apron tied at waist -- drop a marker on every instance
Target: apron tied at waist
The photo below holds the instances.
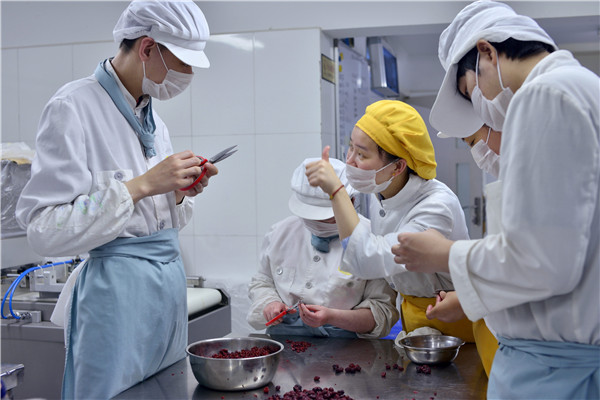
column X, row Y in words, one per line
column 557, row 354
column 545, row 369
column 162, row 246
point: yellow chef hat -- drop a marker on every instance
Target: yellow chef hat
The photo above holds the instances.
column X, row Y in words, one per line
column 399, row 129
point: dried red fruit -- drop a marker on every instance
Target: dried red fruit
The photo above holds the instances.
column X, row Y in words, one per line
column 317, row 378
column 299, row 346
column 314, row 393
column 266, row 389
column 424, row 369
column 244, row 353
column 383, row 374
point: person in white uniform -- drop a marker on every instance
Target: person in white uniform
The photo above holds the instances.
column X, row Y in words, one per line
column 485, row 149
column 300, row 260
column 536, row 280
column 392, row 158
column 105, row 181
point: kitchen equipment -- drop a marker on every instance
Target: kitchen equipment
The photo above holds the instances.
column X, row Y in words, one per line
column 431, row 349
column 214, row 159
column 38, row 344
column 233, row 374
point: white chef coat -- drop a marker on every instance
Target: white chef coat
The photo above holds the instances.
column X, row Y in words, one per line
column 291, row 269
column 538, row 278
column 420, row 205
column 76, row 199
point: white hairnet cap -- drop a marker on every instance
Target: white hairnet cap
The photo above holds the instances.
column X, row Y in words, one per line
column 310, row 202
column 178, row 25
column 484, row 19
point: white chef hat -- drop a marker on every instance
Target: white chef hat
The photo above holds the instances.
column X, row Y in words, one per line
column 484, row 19
column 178, row 25
column 310, row 202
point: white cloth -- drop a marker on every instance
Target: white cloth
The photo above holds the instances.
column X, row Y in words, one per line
column 538, row 278
column 420, row 205
column 291, row 269
column 424, row 330
column 76, row 199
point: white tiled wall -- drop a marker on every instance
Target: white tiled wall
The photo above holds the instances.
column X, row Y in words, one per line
column 262, row 92
column 10, row 96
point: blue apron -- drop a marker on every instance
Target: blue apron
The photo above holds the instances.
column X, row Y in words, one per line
column 293, row 325
column 529, row 369
column 128, row 316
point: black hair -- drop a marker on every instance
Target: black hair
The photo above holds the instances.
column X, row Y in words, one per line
column 513, row 49
column 127, row 45
column 390, row 158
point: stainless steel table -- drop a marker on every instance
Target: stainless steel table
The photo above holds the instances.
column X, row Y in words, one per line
column 462, row 379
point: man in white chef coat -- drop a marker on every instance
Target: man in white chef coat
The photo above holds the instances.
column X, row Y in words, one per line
column 536, row 280
column 105, row 181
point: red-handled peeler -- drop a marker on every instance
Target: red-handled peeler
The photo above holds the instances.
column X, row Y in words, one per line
column 281, row 314
column 214, row 159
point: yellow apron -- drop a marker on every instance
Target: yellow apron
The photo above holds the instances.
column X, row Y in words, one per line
column 486, row 344
column 413, row 317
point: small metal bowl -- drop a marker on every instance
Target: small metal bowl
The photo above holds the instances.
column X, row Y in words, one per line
column 431, row 349
column 233, row 374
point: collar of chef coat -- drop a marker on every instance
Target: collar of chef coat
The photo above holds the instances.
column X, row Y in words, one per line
column 405, row 195
column 137, row 108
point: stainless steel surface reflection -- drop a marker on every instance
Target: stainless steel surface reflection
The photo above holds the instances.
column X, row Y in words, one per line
column 462, row 379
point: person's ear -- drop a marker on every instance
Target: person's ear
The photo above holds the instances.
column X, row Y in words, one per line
column 400, row 166
column 486, row 51
column 146, row 45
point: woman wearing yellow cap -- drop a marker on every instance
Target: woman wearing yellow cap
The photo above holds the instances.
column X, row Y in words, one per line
column 392, row 157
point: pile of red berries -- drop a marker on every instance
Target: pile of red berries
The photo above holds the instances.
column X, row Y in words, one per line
column 316, row 393
column 299, row 346
column 244, row 353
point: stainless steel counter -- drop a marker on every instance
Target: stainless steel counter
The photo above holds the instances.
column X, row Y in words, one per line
column 462, row 379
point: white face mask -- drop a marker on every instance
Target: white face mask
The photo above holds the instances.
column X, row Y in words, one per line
column 485, row 157
column 320, row 229
column 492, row 112
column 173, row 84
column 363, row 180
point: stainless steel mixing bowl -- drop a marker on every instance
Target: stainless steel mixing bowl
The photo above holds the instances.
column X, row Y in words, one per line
column 431, row 349
column 233, row 374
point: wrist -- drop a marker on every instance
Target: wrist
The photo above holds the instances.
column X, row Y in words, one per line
column 332, row 195
column 136, row 189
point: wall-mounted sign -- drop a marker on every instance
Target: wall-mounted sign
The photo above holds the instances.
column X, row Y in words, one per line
column 327, row 69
